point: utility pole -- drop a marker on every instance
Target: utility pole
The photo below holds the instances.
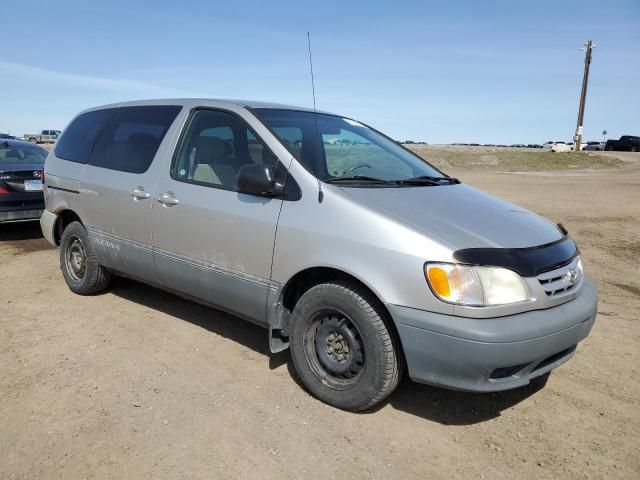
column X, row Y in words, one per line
column 588, row 47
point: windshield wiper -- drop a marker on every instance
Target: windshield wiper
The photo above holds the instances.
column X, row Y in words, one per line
column 429, row 180
column 358, row 178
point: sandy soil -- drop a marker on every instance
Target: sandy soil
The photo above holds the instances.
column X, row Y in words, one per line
column 136, row 383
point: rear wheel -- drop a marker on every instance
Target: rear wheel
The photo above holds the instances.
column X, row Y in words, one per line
column 634, row 148
column 342, row 347
column 33, row 140
column 82, row 272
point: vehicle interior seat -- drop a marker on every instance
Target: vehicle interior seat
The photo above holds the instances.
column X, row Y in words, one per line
column 211, row 151
column 204, row 173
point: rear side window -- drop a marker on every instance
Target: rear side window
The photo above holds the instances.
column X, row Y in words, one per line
column 78, row 139
column 131, row 136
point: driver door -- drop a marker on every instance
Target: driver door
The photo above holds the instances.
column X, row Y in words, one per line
column 211, row 241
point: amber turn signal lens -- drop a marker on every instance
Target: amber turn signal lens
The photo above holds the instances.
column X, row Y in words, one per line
column 439, row 281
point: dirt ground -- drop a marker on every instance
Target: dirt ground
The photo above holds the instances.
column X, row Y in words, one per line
column 137, row 383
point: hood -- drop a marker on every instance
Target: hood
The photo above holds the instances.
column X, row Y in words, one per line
column 461, row 216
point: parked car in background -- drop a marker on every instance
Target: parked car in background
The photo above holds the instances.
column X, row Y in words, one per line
column 21, row 165
column 6, row 136
column 557, row 146
column 561, row 147
column 266, row 212
column 573, row 146
column 45, row 136
column 627, row 143
column 594, row 146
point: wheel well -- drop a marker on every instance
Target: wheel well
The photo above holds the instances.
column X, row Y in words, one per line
column 64, row 218
column 307, row 279
column 302, row 281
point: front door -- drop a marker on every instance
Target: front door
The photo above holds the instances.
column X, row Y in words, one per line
column 117, row 184
column 211, row 241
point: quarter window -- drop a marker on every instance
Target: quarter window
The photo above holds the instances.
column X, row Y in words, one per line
column 214, row 147
column 130, row 138
column 78, row 139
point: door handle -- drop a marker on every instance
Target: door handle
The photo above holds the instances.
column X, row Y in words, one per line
column 139, row 193
column 168, row 199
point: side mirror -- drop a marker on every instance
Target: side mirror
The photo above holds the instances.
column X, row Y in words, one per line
column 259, row 180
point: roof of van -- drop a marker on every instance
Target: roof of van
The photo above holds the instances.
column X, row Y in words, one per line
column 219, row 102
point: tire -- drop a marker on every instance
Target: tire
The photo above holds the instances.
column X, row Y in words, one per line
column 342, row 346
column 33, row 140
column 609, row 148
column 634, row 149
column 82, row 272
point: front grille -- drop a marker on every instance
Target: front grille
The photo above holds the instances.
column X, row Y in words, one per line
column 561, row 280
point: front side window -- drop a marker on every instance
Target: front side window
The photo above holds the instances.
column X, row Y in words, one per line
column 131, row 137
column 333, row 147
column 214, row 147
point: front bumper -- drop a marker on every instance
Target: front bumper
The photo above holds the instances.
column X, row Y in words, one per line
column 492, row 354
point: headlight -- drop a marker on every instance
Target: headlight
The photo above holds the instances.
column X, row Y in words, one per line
column 475, row 286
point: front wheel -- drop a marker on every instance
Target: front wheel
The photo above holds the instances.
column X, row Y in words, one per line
column 80, row 268
column 33, row 140
column 342, row 346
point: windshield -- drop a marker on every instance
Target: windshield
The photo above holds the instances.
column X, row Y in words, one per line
column 21, row 154
column 333, row 148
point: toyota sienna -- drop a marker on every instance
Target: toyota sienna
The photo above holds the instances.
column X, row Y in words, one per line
column 356, row 254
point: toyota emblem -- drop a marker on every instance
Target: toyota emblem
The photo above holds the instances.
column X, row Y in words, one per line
column 36, row 173
column 571, row 276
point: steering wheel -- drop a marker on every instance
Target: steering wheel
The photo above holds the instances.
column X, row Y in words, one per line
column 355, row 167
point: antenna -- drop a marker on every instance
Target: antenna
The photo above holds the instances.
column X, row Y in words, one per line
column 315, row 112
column 313, row 85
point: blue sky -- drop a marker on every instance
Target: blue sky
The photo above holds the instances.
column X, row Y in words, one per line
column 448, row 71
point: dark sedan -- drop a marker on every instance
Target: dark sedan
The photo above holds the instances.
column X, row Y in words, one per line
column 21, row 166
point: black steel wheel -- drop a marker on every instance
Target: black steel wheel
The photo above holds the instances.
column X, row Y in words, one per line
column 343, row 346
column 75, row 258
column 334, row 349
column 80, row 268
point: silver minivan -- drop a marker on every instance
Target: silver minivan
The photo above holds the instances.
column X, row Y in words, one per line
column 357, row 255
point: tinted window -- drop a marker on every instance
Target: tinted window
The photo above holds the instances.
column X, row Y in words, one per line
column 215, row 146
column 131, row 137
column 78, row 139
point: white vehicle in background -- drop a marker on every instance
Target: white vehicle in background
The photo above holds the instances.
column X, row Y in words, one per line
column 557, row 147
column 561, row 147
column 45, row 136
